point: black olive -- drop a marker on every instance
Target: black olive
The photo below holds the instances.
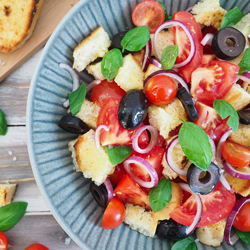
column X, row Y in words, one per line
column 73, row 124
column 171, row 230
column 133, row 109
column 188, row 104
column 203, row 184
column 228, row 43
column 116, row 42
column 244, row 116
column 99, row 193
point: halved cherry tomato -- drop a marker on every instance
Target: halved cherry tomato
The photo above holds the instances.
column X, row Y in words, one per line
column 36, row 246
column 213, row 81
column 242, row 219
column 114, row 214
column 118, row 174
column 3, row 241
column 217, row 205
column 161, row 90
column 209, row 29
column 105, row 89
column 149, row 13
column 235, row 154
column 210, row 121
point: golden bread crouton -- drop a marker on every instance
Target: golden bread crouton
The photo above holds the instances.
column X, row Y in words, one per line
column 150, row 70
column 130, row 74
column 242, row 136
column 212, row 235
column 95, row 70
column 238, row 59
column 7, row 191
column 243, row 26
column 93, row 162
column 95, row 45
column 140, row 220
column 209, row 13
column 167, row 117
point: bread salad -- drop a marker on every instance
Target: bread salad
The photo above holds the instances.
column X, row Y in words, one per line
column 164, row 129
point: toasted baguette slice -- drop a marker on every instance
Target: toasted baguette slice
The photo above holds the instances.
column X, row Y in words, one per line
column 7, row 192
column 17, row 22
column 242, row 136
column 150, row 70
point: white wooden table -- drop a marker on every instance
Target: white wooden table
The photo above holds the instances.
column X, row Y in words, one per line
column 38, row 224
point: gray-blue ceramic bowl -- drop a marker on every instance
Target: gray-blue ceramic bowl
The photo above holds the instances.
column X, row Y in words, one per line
column 65, row 190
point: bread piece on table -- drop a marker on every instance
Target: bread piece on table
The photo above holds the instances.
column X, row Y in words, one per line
column 93, row 162
column 95, row 70
column 7, row 192
column 17, row 21
column 95, row 45
column 242, row 136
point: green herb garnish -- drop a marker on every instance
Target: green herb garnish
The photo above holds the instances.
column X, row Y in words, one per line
column 167, row 17
column 76, row 99
column 245, row 62
column 3, row 123
column 244, row 236
column 118, row 154
column 232, row 17
column 169, row 56
column 186, row 244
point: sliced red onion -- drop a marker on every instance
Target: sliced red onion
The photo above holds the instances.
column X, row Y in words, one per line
column 156, row 63
column 189, row 8
column 147, row 56
column 232, row 171
column 211, row 141
column 169, row 159
column 245, row 76
column 92, row 85
column 109, row 188
column 97, row 134
column 230, row 219
column 248, row 37
column 146, row 166
column 207, row 39
column 170, row 24
column 224, row 181
column 171, row 73
column 154, row 137
column 194, row 100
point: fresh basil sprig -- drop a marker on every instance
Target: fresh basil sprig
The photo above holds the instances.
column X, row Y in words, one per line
column 232, row 17
column 244, row 236
column 118, row 154
column 225, row 109
column 3, row 123
column 185, row 244
column 111, row 63
column 160, row 195
column 195, row 145
column 245, row 62
column 11, row 214
column 135, row 39
column 76, row 99
column 168, row 56
column 167, row 17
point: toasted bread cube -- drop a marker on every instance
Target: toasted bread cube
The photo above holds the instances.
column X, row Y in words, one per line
column 242, row 136
column 95, row 45
column 95, row 70
column 167, row 117
column 93, row 162
column 7, row 192
column 243, row 26
column 130, row 75
column 150, row 70
column 140, row 220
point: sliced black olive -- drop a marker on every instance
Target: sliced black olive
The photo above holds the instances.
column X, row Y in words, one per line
column 188, row 104
column 133, row 109
column 203, row 182
column 73, row 124
column 244, row 116
column 228, row 43
column 116, row 42
column 99, row 193
column 172, row 230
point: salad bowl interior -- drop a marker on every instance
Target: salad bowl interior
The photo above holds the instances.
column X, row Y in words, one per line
column 65, row 190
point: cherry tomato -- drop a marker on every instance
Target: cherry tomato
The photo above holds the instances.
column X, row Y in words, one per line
column 161, row 90
column 36, row 246
column 105, row 89
column 118, row 174
column 149, row 13
column 235, row 154
column 242, row 219
column 3, row 241
column 114, row 214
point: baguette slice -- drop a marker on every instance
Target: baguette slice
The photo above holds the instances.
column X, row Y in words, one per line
column 7, row 192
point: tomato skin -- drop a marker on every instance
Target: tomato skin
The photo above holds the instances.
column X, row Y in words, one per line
column 242, row 219
column 118, row 174
column 36, row 246
column 3, row 241
column 235, row 154
column 161, row 90
column 149, row 13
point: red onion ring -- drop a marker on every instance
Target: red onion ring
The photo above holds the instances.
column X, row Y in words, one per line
column 156, row 63
column 97, row 134
column 207, row 39
column 145, row 165
column 147, row 56
column 230, row 219
column 211, row 141
column 170, row 24
column 109, row 188
column 232, row 171
column 248, row 37
column 224, row 181
column 154, row 137
column 245, row 76
column 169, row 159
column 92, row 85
column 189, row 8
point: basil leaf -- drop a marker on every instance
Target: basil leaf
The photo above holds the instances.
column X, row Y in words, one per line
column 186, row 244
column 111, row 63
column 160, row 195
column 232, row 17
column 244, row 236
column 11, row 214
column 135, row 39
column 225, row 109
column 118, row 154
column 3, row 124
column 76, row 99
column 169, row 56
column 195, row 145
column 165, row 11
column 245, row 62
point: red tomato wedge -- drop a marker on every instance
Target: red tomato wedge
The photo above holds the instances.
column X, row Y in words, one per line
column 242, row 219
column 3, row 241
column 184, row 44
column 235, row 154
column 217, row 205
column 118, row 174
